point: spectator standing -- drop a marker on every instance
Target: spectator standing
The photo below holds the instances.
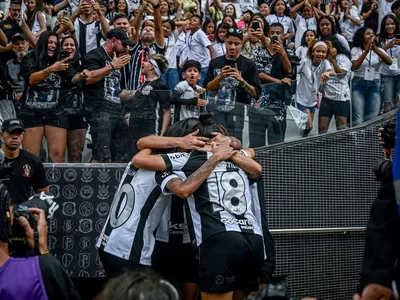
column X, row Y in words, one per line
column 366, row 60
column 27, row 172
column 369, row 13
column 304, row 22
column 308, row 39
column 280, row 17
column 313, row 71
column 336, row 91
column 89, row 32
column 149, row 109
column 348, row 18
column 35, row 17
column 390, row 74
column 234, row 80
column 199, row 46
column 273, row 68
column 219, row 44
column 171, row 78
column 41, row 112
column 20, row 47
column 326, row 26
column 256, row 39
column 10, row 26
column 102, row 95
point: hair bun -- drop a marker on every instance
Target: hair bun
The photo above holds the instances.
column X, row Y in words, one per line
column 206, row 118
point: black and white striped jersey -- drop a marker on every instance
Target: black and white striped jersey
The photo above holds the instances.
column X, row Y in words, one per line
column 135, row 214
column 222, row 203
column 173, row 227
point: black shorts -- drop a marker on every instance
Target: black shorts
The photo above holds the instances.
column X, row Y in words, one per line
column 115, row 266
column 335, row 108
column 38, row 119
column 176, row 263
column 77, row 122
column 231, row 261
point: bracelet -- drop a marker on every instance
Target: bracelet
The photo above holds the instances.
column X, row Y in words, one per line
column 243, row 84
column 112, row 66
column 47, row 252
column 47, row 70
column 72, row 32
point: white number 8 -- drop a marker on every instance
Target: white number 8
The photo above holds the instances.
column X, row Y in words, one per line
column 233, row 198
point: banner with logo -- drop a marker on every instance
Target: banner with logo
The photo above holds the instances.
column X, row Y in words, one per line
column 84, row 195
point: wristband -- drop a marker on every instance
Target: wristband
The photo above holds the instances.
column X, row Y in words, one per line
column 72, row 32
column 112, row 66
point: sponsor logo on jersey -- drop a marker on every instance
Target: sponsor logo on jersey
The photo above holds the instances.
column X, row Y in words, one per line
column 243, row 223
column 177, row 228
column 177, row 156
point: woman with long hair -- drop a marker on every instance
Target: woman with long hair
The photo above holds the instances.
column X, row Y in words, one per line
column 336, row 91
column 71, row 100
column 367, row 60
column 35, row 17
column 41, row 113
column 280, row 15
column 390, row 87
column 219, row 45
column 348, row 18
column 122, row 8
column 209, row 29
column 171, row 77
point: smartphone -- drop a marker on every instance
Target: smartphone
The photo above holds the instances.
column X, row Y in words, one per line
column 231, row 62
column 64, row 54
column 67, row 14
column 276, row 38
column 255, row 25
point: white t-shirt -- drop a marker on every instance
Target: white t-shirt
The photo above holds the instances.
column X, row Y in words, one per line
column 310, row 80
column 303, row 25
column 337, row 86
column 371, row 60
column 347, row 26
column 36, row 25
column 219, row 49
column 301, row 52
column 287, row 22
column 343, row 41
column 394, row 68
column 171, row 51
column 197, row 44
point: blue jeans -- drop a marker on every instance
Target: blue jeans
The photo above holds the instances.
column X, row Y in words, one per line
column 203, row 76
column 390, row 87
column 366, row 100
column 171, row 78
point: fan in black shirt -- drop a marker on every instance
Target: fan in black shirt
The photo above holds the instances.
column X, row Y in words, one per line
column 27, row 171
column 234, row 80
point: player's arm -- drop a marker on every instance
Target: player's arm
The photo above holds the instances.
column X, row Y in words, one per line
column 145, row 160
column 249, row 165
column 184, row 189
column 189, row 142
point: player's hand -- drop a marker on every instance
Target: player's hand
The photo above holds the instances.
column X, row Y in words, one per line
column 374, row 292
column 220, row 138
column 42, row 229
column 222, row 151
column 120, row 62
column 192, row 141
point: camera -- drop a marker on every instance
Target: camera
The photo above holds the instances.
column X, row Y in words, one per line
column 44, row 201
column 383, row 170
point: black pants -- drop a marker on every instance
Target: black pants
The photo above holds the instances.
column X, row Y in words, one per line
column 115, row 266
column 273, row 120
column 233, row 121
column 139, row 129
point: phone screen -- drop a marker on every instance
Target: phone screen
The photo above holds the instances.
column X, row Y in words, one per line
column 231, row 62
column 255, row 25
column 64, row 54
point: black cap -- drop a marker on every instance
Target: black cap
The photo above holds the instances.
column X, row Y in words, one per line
column 121, row 35
column 18, row 36
column 11, row 125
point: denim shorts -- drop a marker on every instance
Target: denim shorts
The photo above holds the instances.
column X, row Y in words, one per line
column 302, row 107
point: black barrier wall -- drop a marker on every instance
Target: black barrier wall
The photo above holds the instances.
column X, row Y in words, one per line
column 318, row 193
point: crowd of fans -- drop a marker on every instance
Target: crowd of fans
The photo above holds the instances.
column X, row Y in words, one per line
column 128, row 69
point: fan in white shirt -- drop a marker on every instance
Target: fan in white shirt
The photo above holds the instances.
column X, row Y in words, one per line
column 279, row 17
column 308, row 39
column 303, row 22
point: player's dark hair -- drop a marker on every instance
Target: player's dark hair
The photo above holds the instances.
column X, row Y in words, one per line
column 135, row 285
column 5, row 223
column 191, row 63
column 206, row 125
column 182, row 128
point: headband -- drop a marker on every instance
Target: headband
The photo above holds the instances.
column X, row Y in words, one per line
column 320, row 44
column 156, row 68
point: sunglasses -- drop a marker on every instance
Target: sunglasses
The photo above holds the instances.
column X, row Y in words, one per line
column 235, row 30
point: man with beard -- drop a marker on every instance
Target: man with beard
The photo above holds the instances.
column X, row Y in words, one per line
column 20, row 47
column 10, row 26
column 102, row 96
column 27, row 171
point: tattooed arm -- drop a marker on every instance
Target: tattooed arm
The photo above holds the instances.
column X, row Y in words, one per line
column 184, row 189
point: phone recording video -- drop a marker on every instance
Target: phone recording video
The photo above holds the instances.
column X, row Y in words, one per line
column 255, row 25
column 276, row 39
column 64, row 54
column 231, row 62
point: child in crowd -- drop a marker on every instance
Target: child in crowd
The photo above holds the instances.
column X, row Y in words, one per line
column 35, row 17
column 313, row 70
column 308, row 39
column 185, row 96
